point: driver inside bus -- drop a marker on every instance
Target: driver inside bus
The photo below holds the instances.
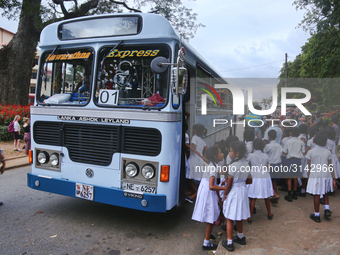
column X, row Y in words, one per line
column 85, row 87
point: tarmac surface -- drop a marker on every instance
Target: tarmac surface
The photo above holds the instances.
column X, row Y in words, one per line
column 290, row 232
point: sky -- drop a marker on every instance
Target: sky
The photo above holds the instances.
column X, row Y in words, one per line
column 247, row 33
column 242, row 39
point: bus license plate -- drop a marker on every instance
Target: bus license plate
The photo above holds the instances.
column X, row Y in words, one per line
column 84, row 191
column 138, row 187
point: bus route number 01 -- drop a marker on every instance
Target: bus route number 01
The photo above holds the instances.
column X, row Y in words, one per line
column 108, row 96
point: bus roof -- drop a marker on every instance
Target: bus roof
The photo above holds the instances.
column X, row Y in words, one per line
column 151, row 23
column 153, row 26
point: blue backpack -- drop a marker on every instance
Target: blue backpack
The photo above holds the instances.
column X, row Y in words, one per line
column 11, row 127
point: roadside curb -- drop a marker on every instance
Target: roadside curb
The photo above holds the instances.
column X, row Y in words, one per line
column 16, row 162
column 17, row 166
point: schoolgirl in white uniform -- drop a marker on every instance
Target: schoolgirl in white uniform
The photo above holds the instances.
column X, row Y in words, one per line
column 274, row 152
column 262, row 187
column 303, row 129
column 207, row 202
column 320, row 182
column 198, row 149
column 235, row 206
column 332, row 147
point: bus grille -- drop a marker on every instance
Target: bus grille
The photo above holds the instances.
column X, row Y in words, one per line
column 91, row 144
column 96, row 144
column 142, row 141
column 47, row 133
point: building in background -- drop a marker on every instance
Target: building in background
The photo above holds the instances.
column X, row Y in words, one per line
column 5, row 37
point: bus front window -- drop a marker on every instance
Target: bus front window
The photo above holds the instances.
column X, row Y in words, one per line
column 124, row 77
column 65, row 77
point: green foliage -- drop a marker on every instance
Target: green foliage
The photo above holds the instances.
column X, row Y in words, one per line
column 319, row 57
column 4, row 134
column 183, row 19
column 7, row 136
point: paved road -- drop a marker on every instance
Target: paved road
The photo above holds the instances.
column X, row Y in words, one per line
column 34, row 222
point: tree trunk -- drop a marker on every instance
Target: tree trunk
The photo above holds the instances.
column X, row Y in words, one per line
column 17, row 58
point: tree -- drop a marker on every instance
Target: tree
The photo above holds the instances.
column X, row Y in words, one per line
column 320, row 16
column 16, row 59
column 319, row 58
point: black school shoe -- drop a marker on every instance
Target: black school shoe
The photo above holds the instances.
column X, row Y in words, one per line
column 294, row 196
column 289, row 198
column 322, row 201
column 327, row 213
column 229, row 247
column 238, row 240
column 315, row 218
column 209, row 247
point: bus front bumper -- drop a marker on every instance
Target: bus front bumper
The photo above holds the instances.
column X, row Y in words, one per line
column 113, row 196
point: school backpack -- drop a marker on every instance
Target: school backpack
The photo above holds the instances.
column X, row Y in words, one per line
column 11, row 127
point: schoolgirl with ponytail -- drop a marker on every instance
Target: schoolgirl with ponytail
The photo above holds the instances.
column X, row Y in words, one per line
column 236, row 206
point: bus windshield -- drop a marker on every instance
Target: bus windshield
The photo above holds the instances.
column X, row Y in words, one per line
column 65, row 77
column 125, row 79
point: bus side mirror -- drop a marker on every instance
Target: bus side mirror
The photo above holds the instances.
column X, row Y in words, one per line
column 159, row 64
column 179, row 80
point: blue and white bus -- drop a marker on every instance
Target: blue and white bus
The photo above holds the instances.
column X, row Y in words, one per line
column 109, row 111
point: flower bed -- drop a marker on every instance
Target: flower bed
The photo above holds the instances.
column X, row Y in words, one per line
column 7, row 114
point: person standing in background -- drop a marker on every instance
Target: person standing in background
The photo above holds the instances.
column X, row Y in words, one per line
column 16, row 134
column 3, row 165
column 27, row 134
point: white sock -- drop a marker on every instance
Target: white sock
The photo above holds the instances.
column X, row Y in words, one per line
column 229, row 241
column 206, row 242
column 317, row 214
column 240, row 235
column 326, row 207
column 303, row 191
column 321, row 196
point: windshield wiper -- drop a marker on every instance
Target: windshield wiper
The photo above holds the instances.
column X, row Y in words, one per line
column 55, row 49
column 102, row 62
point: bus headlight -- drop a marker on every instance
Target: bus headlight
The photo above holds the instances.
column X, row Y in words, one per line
column 54, row 159
column 43, row 157
column 131, row 169
column 148, row 171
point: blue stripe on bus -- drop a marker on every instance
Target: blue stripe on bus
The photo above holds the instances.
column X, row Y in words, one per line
column 112, row 196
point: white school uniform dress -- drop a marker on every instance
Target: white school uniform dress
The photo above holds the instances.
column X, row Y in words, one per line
column 206, row 206
column 236, row 206
column 335, row 162
column 319, row 182
column 249, row 148
column 261, row 186
column 195, row 160
column 304, row 159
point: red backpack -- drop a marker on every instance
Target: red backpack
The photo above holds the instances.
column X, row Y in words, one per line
column 11, row 127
